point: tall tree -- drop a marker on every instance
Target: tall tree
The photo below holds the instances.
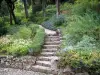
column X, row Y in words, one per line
column 11, row 7
column 58, row 7
column 44, row 7
column 32, row 3
column 25, row 6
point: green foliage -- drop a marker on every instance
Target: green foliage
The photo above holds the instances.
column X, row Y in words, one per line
column 22, row 39
column 39, row 18
column 82, row 6
column 81, row 41
column 70, row 40
column 38, row 42
column 54, row 22
column 5, row 41
column 13, row 29
column 49, row 25
column 37, row 7
column 66, row 6
column 33, row 28
column 19, row 6
column 85, row 25
column 3, row 29
column 87, row 43
column 19, row 47
column 24, row 33
column 80, row 61
column 3, row 9
column 57, row 21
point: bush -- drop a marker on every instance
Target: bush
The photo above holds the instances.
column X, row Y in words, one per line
column 19, row 47
column 24, row 33
column 85, row 25
column 34, row 28
column 38, row 42
column 87, row 43
column 80, row 61
column 37, row 8
column 49, row 25
column 5, row 41
column 70, row 40
column 3, row 29
column 13, row 29
column 82, row 6
column 58, row 21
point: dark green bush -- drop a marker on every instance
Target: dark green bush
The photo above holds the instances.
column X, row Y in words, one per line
column 81, row 6
column 49, row 25
column 58, row 21
column 38, row 42
column 13, row 29
column 23, row 32
column 3, row 28
column 37, row 7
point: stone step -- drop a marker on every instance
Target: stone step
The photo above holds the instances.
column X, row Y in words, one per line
column 50, row 46
column 43, row 63
column 43, row 58
column 52, row 36
column 48, row 54
column 43, row 69
column 50, row 50
column 52, row 43
column 52, row 39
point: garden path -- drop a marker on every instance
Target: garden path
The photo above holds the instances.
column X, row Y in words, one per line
column 46, row 62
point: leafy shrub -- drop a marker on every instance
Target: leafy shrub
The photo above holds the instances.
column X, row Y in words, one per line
column 13, row 29
column 19, row 47
column 24, row 33
column 85, row 25
column 87, row 43
column 3, row 29
column 58, row 21
column 38, row 42
column 5, row 41
column 70, row 40
column 66, row 6
column 82, row 6
column 33, row 28
column 49, row 25
column 37, row 8
column 80, row 61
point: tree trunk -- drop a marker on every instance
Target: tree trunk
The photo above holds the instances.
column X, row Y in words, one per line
column 14, row 17
column 11, row 19
column 44, row 7
column 58, row 7
column 25, row 7
column 32, row 3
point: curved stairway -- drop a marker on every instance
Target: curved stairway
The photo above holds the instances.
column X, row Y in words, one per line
column 43, row 63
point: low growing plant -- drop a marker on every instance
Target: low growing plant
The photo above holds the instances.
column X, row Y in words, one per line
column 38, row 42
column 81, row 60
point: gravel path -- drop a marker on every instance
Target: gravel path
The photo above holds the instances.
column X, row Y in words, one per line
column 10, row 71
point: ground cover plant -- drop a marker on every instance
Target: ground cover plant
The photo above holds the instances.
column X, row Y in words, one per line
column 81, row 38
column 22, row 40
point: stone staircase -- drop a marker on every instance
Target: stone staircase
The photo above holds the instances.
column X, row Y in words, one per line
column 43, row 63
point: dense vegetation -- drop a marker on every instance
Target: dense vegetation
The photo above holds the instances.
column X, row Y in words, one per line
column 78, row 20
column 81, row 44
